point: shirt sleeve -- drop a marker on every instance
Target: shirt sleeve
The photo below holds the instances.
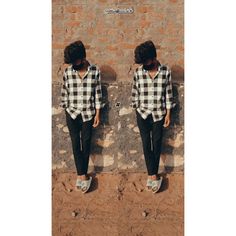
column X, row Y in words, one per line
column 169, row 91
column 98, row 92
column 135, row 93
column 64, row 93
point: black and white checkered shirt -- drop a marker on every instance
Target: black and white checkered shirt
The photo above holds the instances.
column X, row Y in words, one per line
column 81, row 96
column 152, row 96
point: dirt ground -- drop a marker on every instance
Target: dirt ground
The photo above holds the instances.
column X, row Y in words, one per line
column 118, row 204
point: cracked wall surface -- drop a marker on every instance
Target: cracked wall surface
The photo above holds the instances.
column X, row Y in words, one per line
column 110, row 41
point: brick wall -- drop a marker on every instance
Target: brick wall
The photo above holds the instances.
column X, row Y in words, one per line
column 110, row 40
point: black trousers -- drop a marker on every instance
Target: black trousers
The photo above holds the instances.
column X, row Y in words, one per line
column 151, row 135
column 80, row 145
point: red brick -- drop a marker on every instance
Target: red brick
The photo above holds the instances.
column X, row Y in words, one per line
column 58, row 45
column 144, row 24
column 142, row 9
column 73, row 23
column 103, row 40
column 111, row 48
column 117, row 35
column 73, row 9
column 128, row 45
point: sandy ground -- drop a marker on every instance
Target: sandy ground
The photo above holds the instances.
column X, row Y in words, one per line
column 118, row 204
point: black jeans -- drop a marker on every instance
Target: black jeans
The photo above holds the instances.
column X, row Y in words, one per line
column 81, row 153
column 151, row 135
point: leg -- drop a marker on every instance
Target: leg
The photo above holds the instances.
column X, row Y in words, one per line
column 145, row 129
column 157, row 130
column 86, row 136
column 75, row 127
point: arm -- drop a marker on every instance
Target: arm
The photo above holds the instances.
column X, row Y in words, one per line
column 98, row 100
column 135, row 93
column 64, row 93
column 169, row 99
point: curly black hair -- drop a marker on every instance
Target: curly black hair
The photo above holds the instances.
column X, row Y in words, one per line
column 74, row 51
column 144, row 52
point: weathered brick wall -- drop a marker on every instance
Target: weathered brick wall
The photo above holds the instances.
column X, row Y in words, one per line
column 110, row 40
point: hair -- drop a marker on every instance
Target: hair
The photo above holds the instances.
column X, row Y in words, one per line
column 74, row 51
column 144, row 52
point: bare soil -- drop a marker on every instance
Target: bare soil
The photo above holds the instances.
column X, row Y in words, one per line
column 118, row 204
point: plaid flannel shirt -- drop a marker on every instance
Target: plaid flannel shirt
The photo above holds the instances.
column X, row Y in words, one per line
column 152, row 96
column 81, row 96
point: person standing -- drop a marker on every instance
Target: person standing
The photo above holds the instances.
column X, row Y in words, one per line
column 152, row 99
column 81, row 97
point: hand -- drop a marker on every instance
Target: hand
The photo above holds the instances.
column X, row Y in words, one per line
column 167, row 121
column 96, row 121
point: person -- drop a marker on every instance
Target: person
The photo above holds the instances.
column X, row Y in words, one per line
column 81, row 97
column 152, row 100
